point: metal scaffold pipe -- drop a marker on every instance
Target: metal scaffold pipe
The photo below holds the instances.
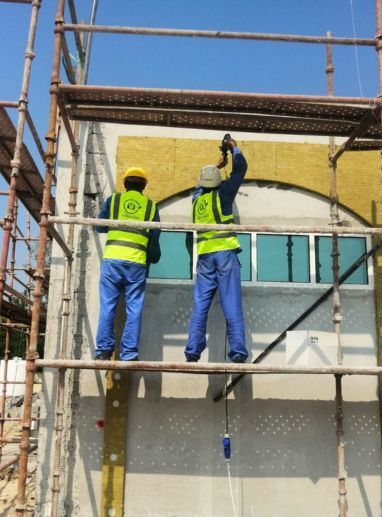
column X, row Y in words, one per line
column 65, row 313
column 217, row 96
column 31, row 355
column 16, row 161
column 8, row 104
column 67, row 287
column 190, row 33
column 337, row 317
column 165, row 366
column 378, row 41
column 113, row 223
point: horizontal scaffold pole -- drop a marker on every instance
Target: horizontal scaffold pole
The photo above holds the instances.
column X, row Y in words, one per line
column 165, row 366
column 191, row 33
column 151, row 225
column 8, row 104
column 206, row 96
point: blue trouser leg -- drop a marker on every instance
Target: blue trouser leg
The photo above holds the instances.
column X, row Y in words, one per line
column 229, row 283
column 204, row 291
column 134, row 291
column 110, row 286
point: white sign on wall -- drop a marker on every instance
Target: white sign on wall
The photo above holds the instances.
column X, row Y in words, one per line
column 311, row 348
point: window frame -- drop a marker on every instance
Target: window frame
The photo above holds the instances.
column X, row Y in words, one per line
column 298, row 285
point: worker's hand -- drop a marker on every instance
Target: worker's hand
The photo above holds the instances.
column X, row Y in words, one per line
column 231, row 143
column 222, row 162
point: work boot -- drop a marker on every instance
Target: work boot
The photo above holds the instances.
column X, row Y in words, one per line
column 103, row 356
column 239, row 359
column 192, row 359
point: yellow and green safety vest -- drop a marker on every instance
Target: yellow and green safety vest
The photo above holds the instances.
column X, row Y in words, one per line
column 129, row 244
column 207, row 210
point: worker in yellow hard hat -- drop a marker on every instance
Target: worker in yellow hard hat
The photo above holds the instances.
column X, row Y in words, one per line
column 124, row 265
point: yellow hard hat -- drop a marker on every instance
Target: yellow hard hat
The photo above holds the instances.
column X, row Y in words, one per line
column 137, row 172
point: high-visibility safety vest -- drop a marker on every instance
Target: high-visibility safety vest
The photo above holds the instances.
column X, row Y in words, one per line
column 129, row 244
column 207, row 210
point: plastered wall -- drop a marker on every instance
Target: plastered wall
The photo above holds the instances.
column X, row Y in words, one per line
column 160, row 449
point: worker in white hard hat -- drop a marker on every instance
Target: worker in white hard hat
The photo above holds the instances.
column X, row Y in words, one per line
column 124, row 265
column 218, row 266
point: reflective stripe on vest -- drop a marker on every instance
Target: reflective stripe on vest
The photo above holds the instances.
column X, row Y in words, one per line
column 207, row 210
column 129, row 244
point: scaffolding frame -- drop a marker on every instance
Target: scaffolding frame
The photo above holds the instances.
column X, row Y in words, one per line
column 25, row 184
column 124, row 101
column 16, row 319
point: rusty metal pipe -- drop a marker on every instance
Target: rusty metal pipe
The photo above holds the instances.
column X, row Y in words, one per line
column 378, row 43
column 4, row 382
column 342, row 474
column 166, row 366
column 34, row 133
column 5, row 466
column 66, row 305
column 53, row 233
column 89, row 41
column 73, row 15
column 16, row 162
column 112, row 223
column 7, row 348
column 68, row 127
column 190, row 33
column 358, row 132
column 68, row 62
column 217, row 96
column 337, row 316
column 40, row 264
column 9, row 104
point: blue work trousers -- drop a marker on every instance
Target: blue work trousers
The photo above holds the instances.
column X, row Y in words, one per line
column 218, row 270
column 127, row 278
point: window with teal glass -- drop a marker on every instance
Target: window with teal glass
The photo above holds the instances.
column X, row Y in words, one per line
column 176, row 256
column 283, row 258
column 350, row 249
column 245, row 256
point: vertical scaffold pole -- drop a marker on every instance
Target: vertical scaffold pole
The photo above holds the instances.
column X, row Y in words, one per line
column 378, row 258
column 67, row 286
column 378, row 43
column 8, row 330
column 16, row 161
column 342, row 501
column 50, row 154
column 335, row 219
column 66, row 306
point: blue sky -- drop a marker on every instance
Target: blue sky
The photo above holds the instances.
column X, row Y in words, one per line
column 197, row 63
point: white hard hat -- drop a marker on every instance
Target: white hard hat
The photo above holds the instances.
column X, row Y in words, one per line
column 210, row 176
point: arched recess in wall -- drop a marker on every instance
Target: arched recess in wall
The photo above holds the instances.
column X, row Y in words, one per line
column 266, row 202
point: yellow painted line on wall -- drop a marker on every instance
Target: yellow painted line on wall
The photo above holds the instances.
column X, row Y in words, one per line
column 114, row 456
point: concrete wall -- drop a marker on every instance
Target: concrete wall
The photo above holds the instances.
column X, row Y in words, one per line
column 282, row 427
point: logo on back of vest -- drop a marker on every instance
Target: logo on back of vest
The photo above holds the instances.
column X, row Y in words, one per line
column 202, row 207
column 131, row 206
